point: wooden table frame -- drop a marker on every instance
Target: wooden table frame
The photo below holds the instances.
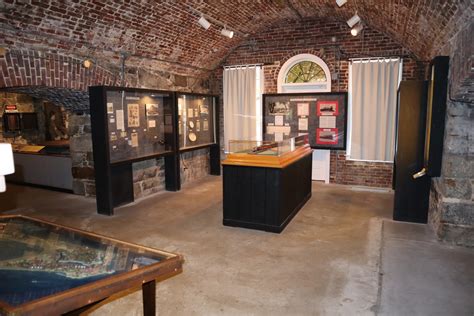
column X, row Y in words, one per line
column 79, row 299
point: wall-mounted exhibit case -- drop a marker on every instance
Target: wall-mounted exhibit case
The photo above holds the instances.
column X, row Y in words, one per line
column 197, row 125
column 323, row 116
column 266, row 183
column 131, row 125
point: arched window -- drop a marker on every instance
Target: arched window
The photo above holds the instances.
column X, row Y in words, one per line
column 304, row 73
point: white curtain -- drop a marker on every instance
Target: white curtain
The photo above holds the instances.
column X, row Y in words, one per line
column 373, row 96
column 242, row 114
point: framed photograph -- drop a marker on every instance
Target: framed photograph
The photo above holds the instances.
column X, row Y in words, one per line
column 322, row 115
column 133, row 115
column 326, row 136
column 279, row 108
column 327, row 108
column 152, row 109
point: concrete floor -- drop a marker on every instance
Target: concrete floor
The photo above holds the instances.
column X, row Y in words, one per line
column 341, row 255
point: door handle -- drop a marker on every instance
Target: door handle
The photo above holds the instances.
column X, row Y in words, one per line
column 419, row 174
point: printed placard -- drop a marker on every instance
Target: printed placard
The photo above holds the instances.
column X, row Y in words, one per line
column 120, row 120
column 303, row 109
column 327, row 122
column 279, row 120
column 151, row 123
column 110, row 108
column 303, row 124
column 133, row 117
column 134, row 140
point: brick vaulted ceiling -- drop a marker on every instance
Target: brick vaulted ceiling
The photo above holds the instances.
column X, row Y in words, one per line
column 164, row 33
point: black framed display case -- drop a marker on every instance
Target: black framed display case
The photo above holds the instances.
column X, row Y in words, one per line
column 130, row 125
column 197, row 120
column 323, row 116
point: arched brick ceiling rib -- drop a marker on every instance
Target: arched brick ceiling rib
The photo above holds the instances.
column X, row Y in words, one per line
column 166, row 32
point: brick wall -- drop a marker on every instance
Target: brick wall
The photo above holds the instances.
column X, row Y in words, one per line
column 277, row 44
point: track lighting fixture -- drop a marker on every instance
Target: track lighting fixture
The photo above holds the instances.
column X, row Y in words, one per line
column 204, row 23
column 353, row 21
column 227, row 33
column 357, row 29
column 340, row 3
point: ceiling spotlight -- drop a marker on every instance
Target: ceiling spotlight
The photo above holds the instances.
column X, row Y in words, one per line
column 353, row 21
column 340, row 3
column 356, row 30
column 227, row 33
column 204, row 23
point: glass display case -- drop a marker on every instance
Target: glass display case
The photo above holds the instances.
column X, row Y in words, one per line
column 265, row 183
column 267, row 148
column 140, row 124
column 48, row 269
column 196, row 120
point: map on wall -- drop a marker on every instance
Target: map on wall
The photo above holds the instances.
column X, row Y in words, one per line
column 320, row 115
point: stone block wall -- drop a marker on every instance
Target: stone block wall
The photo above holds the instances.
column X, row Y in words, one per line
column 194, row 165
column 451, row 211
column 148, row 177
column 452, row 195
column 80, row 145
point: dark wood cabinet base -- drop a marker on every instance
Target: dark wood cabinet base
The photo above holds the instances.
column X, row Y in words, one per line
column 266, row 198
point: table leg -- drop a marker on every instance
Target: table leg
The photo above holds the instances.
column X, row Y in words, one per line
column 149, row 298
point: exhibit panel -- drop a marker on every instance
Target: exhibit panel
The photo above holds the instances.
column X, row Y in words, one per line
column 323, row 116
column 196, row 120
column 266, row 183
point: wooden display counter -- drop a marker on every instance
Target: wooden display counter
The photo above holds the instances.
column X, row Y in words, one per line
column 263, row 191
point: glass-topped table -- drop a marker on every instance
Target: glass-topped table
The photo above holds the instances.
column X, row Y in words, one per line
column 48, row 269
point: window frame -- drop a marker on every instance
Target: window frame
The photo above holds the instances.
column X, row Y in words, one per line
column 320, row 86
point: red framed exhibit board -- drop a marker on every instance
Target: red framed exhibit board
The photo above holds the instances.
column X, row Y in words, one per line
column 323, row 116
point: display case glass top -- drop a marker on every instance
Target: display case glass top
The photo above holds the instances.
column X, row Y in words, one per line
column 40, row 259
column 267, row 148
column 196, row 120
column 140, row 123
column 267, row 153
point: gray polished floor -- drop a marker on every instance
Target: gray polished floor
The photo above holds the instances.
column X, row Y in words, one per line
column 341, row 255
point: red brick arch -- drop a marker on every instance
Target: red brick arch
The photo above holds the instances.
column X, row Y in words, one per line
column 36, row 68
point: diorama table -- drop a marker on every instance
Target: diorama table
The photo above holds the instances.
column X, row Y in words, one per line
column 49, row 269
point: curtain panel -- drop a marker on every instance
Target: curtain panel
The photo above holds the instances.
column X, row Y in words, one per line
column 241, row 111
column 373, row 98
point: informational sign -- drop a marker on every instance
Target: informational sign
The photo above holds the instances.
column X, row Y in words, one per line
column 323, row 116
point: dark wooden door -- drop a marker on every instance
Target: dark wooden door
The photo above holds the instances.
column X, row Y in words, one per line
column 411, row 194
